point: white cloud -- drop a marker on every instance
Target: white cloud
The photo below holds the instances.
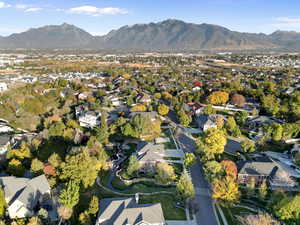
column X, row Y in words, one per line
column 4, row 5
column 94, row 11
column 33, row 9
column 21, row 6
column 285, row 22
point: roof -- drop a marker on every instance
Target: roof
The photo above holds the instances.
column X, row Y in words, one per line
column 206, row 120
column 148, row 151
column 4, row 139
column 27, row 191
column 123, row 211
column 264, row 119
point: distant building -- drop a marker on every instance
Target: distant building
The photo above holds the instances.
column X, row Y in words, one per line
column 206, row 122
column 3, row 86
column 127, row 211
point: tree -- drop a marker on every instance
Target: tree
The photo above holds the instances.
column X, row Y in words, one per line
column 184, row 118
column 189, row 160
column 55, row 160
column 212, row 142
column 248, row 146
column 185, row 186
column 133, row 165
column 82, row 168
column 263, row 190
column 218, row 98
column 102, row 132
column 251, row 186
column 226, row 189
column 241, row 117
column 232, row 128
column 35, row 221
column 230, row 168
column 277, row 132
column 84, row 218
column 163, row 109
column 212, row 170
column 259, row 219
column 2, row 203
column 238, row 100
column 94, row 205
column 271, row 104
column 57, row 129
column 288, row 208
column 21, row 153
column 138, row 108
column 64, row 212
column 37, row 166
column 128, row 130
column 16, row 168
column 165, row 173
column 208, row 110
column 157, row 95
column 69, row 196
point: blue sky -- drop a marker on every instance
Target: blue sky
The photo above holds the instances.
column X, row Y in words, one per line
column 100, row 16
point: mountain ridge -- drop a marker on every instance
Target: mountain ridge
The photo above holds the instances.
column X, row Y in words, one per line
column 167, row 35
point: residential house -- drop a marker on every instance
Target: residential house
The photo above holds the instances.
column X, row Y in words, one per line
column 3, row 86
column 206, row 122
column 264, row 169
column 127, row 211
column 86, row 117
column 143, row 98
column 4, row 145
column 149, row 154
column 24, row 197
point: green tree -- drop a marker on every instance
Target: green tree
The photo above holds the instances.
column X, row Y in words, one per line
column 185, row 186
column 248, row 146
column 241, row 117
column 55, row 160
column 271, row 104
column 102, row 132
column 94, row 205
column 133, row 165
column 82, row 168
column 128, row 130
column 84, row 218
column 251, row 186
column 189, row 159
column 163, row 109
column 2, row 203
column 69, row 196
column 37, row 166
column 263, row 190
column 212, row 170
column 277, row 132
column 208, row 110
column 57, row 129
column 288, row 208
column 232, row 128
column 184, row 118
column 212, row 143
column 165, row 173
column 16, row 168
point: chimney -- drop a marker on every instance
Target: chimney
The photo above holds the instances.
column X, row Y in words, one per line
column 137, row 198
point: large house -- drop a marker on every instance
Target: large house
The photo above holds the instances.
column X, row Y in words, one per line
column 86, row 117
column 24, row 196
column 149, row 154
column 206, row 122
column 127, row 211
column 263, row 169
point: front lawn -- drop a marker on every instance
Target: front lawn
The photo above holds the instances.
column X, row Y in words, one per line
column 171, row 212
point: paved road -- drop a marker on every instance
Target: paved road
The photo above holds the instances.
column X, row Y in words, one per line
column 205, row 214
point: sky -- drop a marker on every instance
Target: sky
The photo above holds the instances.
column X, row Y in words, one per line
column 98, row 17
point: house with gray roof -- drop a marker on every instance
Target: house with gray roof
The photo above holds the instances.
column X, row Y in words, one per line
column 24, row 196
column 127, row 211
column 149, row 154
column 206, row 122
column 263, row 169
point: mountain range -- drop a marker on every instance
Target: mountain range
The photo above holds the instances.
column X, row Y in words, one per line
column 168, row 35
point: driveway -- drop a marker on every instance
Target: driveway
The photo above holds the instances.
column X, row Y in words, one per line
column 204, row 204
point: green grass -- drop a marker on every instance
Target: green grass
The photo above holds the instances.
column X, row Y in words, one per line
column 172, row 158
column 228, row 215
column 168, row 205
column 178, row 168
column 219, row 216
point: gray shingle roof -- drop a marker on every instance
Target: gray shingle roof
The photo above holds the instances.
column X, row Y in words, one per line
column 123, row 211
column 148, row 151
